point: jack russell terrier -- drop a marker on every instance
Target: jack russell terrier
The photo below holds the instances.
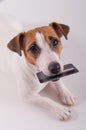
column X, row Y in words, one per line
column 39, row 50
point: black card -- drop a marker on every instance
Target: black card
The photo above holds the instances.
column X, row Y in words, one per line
column 68, row 70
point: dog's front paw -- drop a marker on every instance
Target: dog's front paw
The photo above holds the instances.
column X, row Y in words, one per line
column 67, row 98
column 62, row 113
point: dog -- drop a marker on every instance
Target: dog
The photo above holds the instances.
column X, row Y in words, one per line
column 37, row 50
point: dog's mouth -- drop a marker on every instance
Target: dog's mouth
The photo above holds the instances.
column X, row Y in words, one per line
column 53, row 68
column 68, row 70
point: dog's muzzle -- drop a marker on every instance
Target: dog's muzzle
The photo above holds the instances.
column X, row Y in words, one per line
column 54, row 68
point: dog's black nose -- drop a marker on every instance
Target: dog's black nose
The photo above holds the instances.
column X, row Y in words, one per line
column 54, row 68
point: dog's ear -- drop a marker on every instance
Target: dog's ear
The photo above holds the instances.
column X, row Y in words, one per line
column 16, row 43
column 60, row 29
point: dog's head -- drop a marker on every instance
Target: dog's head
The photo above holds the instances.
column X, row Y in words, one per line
column 42, row 46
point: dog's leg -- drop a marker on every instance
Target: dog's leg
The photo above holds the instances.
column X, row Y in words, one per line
column 29, row 92
column 65, row 95
column 59, row 111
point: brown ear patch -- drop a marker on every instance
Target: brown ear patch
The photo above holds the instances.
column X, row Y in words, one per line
column 16, row 43
column 60, row 29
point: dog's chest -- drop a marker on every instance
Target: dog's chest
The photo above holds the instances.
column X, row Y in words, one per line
column 34, row 82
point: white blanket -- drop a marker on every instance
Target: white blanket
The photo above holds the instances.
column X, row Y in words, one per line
column 9, row 27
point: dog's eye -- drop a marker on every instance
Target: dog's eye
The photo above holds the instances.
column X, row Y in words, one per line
column 54, row 41
column 34, row 49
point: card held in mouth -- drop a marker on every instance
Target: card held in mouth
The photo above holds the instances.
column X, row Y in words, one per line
column 69, row 69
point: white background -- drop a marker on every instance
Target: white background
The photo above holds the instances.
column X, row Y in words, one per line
column 71, row 12
column 15, row 115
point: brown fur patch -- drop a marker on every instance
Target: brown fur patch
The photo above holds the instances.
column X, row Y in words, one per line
column 30, row 37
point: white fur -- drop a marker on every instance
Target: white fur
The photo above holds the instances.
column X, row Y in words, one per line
column 47, row 55
column 27, row 82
